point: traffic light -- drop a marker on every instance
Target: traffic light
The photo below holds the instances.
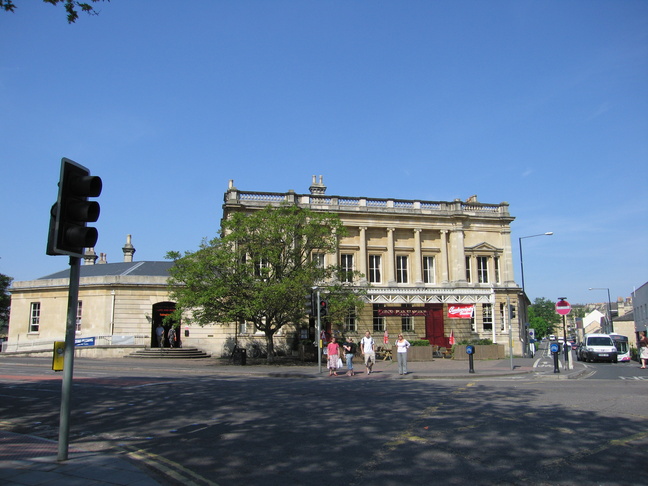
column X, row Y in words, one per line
column 323, row 307
column 68, row 231
column 309, row 303
column 512, row 312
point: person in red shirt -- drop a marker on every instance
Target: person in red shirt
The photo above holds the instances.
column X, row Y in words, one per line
column 333, row 352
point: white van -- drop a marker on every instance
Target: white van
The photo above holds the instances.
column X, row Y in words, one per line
column 599, row 347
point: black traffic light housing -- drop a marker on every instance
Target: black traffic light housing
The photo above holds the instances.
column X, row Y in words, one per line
column 68, row 231
column 309, row 303
column 323, row 307
column 513, row 314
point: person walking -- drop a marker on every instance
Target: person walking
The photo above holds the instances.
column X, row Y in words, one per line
column 333, row 353
column 171, row 335
column 350, row 349
column 159, row 332
column 368, row 348
column 402, row 346
column 643, row 349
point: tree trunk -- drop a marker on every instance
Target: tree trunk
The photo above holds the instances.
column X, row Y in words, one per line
column 270, row 345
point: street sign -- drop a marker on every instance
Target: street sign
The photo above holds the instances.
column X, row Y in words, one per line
column 554, row 347
column 563, row 308
column 532, row 333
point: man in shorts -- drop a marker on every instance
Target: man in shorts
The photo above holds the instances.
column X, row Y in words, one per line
column 368, row 348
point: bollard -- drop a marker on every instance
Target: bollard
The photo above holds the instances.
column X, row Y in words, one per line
column 554, row 348
column 470, row 351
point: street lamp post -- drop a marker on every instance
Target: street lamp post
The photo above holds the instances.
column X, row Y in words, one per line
column 610, row 326
column 548, row 233
column 523, row 315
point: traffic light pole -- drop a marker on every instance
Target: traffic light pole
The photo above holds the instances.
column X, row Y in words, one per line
column 68, row 359
column 319, row 334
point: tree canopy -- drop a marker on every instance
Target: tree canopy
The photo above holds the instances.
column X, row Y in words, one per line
column 259, row 270
column 543, row 317
column 72, row 7
column 5, row 300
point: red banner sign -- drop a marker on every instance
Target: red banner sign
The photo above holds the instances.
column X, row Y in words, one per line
column 460, row 311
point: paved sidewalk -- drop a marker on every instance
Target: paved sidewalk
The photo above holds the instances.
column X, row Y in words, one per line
column 437, row 369
column 29, row 460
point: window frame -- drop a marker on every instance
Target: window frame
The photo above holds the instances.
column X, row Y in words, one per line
column 482, row 269
column 487, row 317
column 375, row 271
column 346, row 270
column 34, row 317
column 429, row 274
column 79, row 315
column 402, row 269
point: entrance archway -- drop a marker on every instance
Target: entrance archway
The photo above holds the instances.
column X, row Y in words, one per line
column 159, row 312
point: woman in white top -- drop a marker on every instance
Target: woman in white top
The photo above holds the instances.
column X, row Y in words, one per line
column 403, row 345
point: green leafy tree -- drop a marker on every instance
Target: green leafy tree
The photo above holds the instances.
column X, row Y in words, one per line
column 72, row 7
column 259, row 270
column 543, row 317
column 5, row 302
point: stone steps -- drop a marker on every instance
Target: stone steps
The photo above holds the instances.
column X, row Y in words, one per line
column 169, row 353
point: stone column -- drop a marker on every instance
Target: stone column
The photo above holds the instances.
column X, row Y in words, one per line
column 390, row 264
column 444, row 257
column 457, row 256
column 506, row 260
column 362, row 257
column 418, row 260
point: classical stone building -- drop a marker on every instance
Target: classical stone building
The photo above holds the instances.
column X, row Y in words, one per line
column 119, row 304
column 426, row 264
column 432, row 269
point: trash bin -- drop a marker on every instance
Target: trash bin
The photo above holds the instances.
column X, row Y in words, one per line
column 240, row 356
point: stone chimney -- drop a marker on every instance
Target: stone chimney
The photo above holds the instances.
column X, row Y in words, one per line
column 103, row 258
column 128, row 249
column 89, row 256
column 318, row 188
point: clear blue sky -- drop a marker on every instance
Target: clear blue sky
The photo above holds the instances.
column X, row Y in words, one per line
column 543, row 104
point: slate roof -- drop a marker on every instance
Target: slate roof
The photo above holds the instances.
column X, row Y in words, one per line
column 626, row 317
column 148, row 269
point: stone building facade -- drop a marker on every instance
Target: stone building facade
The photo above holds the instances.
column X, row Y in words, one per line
column 119, row 303
column 432, row 270
column 424, row 263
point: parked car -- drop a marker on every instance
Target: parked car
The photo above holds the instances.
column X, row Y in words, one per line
column 598, row 347
column 580, row 352
column 552, row 337
column 574, row 345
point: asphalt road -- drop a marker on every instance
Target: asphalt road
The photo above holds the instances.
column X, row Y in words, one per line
column 197, row 428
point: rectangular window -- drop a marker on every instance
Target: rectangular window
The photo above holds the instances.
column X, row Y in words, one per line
column 243, row 328
column 407, row 322
column 374, row 269
column 318, row 258
column 401, row 269
column 350, row 322
column 468, row 279
column 34, row 317
column 482, row 269
column 378, row 321
column 346, row 262
column 502, row 320
column 496, row 263
column 487, row 317
column 78, row 316
column 261, row 267
column 428, row 270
